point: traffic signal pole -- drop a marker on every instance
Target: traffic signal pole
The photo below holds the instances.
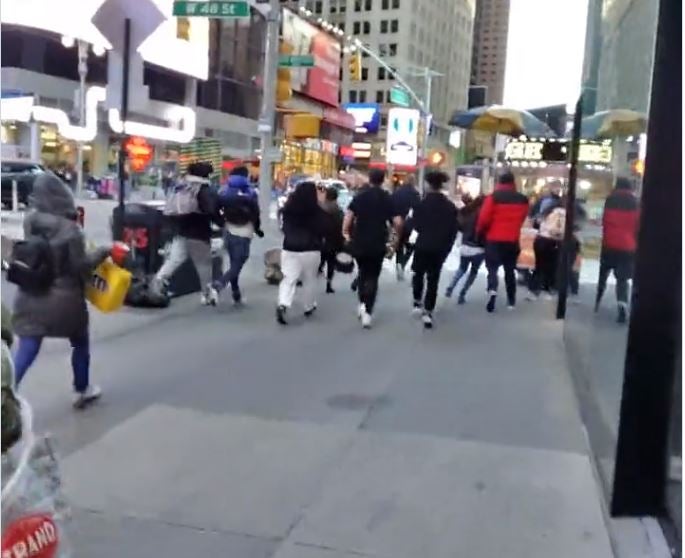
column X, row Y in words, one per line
column 267, row 114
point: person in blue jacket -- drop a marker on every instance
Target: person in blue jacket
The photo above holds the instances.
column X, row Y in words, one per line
column 239, row 206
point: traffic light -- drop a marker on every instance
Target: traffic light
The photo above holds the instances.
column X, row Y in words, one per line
column 355, row 66
column 283, row 90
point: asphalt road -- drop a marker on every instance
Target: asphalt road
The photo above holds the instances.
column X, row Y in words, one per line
column 222, row 434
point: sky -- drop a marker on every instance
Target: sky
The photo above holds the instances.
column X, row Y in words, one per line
column 545, row 50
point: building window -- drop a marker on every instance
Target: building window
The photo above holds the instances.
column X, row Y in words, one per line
column 387, row 97
column 381, row 74
column 362, row 96
column 384, row 117
column 384, row 26
column 394, row 26
column 382, row 51
column 392, row 49
column 341, row 26
column 357, row 28
column 334, row 8
column 353, row 96
column 367, row 27
column 367, row 5
column 343, row 8
column 365, row 54
column 365, row 74
column 357, row 5
column 385, row 4
column 395, row 4
column 380, row 95
column 318, row 7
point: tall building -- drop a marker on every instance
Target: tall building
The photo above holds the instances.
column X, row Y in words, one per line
column 489, row 55
column 410, row 35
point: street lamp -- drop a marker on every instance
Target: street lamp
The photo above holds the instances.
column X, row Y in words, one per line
column 98, row 50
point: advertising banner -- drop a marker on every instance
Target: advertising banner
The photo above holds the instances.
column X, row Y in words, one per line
column 402, row 136
column 322, row 81
column 367, row 116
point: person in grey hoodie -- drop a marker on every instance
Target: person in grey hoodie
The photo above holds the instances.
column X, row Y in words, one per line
column 61, row 311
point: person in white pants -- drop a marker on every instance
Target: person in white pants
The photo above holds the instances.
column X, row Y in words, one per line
column 303, row 229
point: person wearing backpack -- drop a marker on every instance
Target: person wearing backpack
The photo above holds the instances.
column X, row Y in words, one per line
column 333, row 241
column 191, row 207
column 51, row 300
column 239, row 206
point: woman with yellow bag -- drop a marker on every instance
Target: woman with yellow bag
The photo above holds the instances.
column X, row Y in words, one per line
column 52, row 268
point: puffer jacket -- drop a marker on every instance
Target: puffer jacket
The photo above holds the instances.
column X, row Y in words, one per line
column 502, row 215
column 62, row 310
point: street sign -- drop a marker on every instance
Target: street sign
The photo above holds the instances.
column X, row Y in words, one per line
column 399, row 96
column 296, row 60
column 218, row 9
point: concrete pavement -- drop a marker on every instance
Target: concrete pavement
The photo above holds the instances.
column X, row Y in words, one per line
column 221, row 433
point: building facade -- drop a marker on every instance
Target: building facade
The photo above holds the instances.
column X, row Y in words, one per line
column 489, row 55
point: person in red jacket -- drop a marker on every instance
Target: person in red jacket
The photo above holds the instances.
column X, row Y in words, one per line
column 619, row 241
column 499, row 222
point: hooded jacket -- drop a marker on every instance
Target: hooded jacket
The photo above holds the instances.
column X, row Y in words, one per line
column 62, row 310
column 435, row 219
column 198, row 226
column 239, row 203
column 502, row 215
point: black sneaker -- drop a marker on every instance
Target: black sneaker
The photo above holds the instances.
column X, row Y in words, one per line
column 491, row 304
column 329, row 289
column 461, row 299
column 622, row 315
column 237, row 297
column 280, row 315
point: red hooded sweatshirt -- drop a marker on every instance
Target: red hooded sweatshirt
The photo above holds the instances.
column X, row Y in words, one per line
column 502, row 215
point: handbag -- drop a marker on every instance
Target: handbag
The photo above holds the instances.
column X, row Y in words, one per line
column 108, row 286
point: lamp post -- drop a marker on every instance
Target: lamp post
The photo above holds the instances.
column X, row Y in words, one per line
column 82, row 48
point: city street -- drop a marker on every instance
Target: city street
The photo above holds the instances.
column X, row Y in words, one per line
column 223, row 434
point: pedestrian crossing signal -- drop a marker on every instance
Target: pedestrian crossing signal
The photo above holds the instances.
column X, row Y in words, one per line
column 355, row 66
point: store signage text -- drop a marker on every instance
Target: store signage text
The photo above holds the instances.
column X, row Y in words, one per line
column 557, row 151
column 402, row 136
column 22, row 109
column 218, row 9
column 367, row 116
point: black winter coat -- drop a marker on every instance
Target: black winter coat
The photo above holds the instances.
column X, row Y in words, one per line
column 435, row 221
column 303, row 232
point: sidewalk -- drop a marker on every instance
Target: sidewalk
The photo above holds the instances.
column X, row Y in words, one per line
column 222, row 434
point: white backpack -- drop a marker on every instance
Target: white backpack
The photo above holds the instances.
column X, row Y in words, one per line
column 554, row 224
column 182, row 198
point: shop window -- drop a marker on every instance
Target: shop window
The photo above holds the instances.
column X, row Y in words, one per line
column 384, row 26
column 356, row 27
column 362, row 96
column 394, row 26
column 367, row 27
column 380, row 95
column 353, row 96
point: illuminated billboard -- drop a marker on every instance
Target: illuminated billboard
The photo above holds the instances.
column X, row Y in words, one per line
column 402, row 136
column 367, row 116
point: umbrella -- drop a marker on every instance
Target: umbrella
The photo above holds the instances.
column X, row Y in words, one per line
column 613, row 123
column 501, row 120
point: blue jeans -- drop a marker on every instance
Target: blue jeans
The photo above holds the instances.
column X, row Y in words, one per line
column 464, row 262
column 238, row 249
column 28, row 350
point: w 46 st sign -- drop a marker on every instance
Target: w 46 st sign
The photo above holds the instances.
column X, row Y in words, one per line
column 218, row 9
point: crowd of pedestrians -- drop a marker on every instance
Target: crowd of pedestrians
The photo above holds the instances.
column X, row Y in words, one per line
column 317, row 236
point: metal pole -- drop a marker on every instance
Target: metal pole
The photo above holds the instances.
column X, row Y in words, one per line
column 268, row 111
column 124, row 117
column 428, row 76
column 82, row 73
column 565, row 263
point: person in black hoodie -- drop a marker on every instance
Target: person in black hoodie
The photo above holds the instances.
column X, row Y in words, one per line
column 303, row 229
column 333, row 240
column 191, row 207
column 435, row 221
column 405, row 199
column 472, row 251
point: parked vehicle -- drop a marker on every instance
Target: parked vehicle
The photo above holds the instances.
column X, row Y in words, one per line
column 25, row 173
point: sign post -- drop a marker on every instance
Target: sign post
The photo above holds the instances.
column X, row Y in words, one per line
column 296, row 61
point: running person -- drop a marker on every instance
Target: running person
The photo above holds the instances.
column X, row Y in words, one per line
column 366, row 229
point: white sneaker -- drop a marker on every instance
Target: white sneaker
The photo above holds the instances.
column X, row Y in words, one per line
column 417, row 309
column 367, row 320
column 212, row 296
column 400, row 273
column 511, row 308
column 91, row 394
column 532, row 297
column 361, row 310
column 427, row 320
column 549, row 296
column 204, row 300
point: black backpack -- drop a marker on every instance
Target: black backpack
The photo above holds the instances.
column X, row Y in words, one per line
column 31, row 266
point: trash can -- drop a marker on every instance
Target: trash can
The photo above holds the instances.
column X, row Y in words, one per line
column 146, row 232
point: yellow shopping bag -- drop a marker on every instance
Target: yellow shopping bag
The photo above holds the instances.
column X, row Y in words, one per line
column 108, row 286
